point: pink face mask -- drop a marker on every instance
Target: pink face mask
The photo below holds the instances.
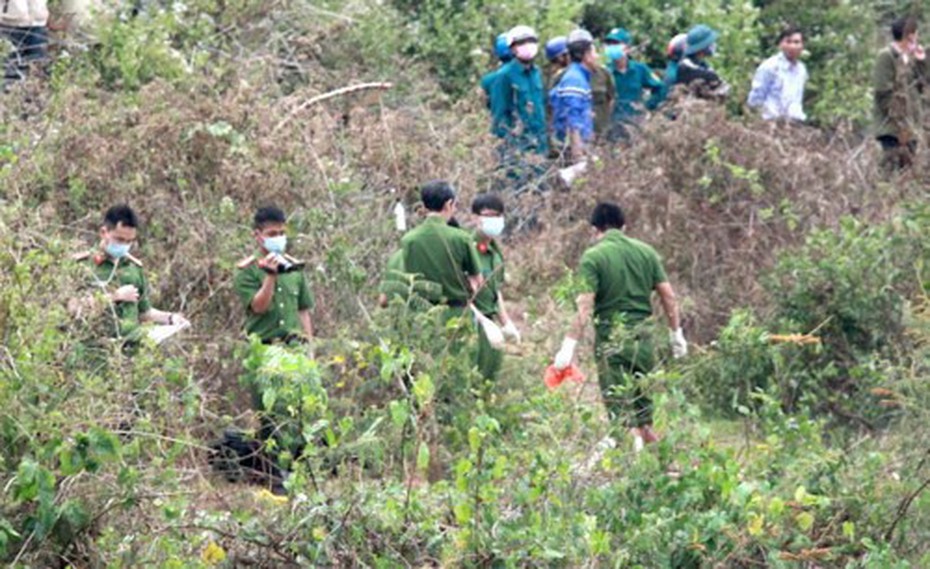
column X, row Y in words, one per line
column 526, row 51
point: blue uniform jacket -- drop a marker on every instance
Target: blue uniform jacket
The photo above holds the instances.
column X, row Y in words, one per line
column 573, row 103
column 518, row 106
column 630, row 87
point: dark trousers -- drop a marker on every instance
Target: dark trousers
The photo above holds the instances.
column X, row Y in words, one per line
column 896, row 156
column 30, row 44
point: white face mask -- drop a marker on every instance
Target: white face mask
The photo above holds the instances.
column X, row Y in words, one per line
column 527, row 51
column 492, row 226
column 276, row 244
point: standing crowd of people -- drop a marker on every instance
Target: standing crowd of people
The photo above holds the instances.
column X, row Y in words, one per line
column 580, row 101
column 584, row 96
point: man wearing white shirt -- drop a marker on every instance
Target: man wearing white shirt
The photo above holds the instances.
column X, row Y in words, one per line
column 778, row 85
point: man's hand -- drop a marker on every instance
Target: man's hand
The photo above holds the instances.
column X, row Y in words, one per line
column 270, row 263
column 125, row 293
column 918, row 51
column 511, row 331
column 566, row 353
column 176, row 318
column 679, row 344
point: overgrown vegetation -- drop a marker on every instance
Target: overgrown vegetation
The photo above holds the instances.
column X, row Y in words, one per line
column 810, row 450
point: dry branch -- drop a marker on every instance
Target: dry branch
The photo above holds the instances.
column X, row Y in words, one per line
column 330, row 95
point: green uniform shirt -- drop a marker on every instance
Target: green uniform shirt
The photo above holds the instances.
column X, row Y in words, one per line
column 518, row 107
column 292, row 295
column 392, row 282
column 108, row 274
column 487, row 82
column 443, row 255
column 622, row 273
column 492, row 269
column 603, row 93
column 898, row 100
column 630, row 85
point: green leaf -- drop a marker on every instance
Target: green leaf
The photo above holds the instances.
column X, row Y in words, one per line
column 424, row 390
column 849, row 531
column 269, row 397
column 805, row 521
column 399, row 413
column 423, row 457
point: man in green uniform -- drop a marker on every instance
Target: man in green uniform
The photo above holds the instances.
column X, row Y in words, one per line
column 619, row 275
column 441, row 254
column 631, row 78
column 488, row 211
column 277, row 301
column 503, row 53
column 900, row 79
column 271, row 285
column 518, row 111
column 123, row 297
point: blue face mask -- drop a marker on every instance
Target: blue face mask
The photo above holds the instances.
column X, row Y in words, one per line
column 118, row 250
column 276, row 244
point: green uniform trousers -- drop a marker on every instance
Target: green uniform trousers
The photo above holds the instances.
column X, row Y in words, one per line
column 621, row 362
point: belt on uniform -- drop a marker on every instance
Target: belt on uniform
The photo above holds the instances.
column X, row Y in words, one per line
column 286, row 340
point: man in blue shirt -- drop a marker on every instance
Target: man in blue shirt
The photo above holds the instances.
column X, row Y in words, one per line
column 778, row 85
column 572, row 100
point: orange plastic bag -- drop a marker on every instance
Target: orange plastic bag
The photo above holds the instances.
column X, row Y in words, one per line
column 556, row 377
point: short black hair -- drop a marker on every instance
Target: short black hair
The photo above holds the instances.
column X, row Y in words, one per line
column 487, row 201
column 436, row 194
column 902, row 27
column 266, row 215
column 578, row 50
column 120, row 214
column 787, row 32
column 607, row 215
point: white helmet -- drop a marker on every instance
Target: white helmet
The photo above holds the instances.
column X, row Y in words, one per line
column 580, row 36
column 521, row 33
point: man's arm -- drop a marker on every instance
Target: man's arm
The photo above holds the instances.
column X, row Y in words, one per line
column 658, row 88
column 761, row 83
column 669, row 304
column 501, row 106
column 585, row 304
column 261, row 302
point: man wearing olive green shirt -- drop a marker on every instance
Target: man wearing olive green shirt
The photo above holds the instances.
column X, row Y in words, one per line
column 488, row 212
column 272, row 288
column 619, row 275
column 118, row 275
column 441, row 254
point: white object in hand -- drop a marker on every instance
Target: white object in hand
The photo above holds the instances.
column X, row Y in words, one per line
column 569, row 174
column 510, row 330
column 491, row 330
column 566, row 354
column 160, row 333
column 679, row 344
column 400, row 217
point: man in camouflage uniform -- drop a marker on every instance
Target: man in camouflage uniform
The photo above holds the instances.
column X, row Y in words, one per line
column 900, row 76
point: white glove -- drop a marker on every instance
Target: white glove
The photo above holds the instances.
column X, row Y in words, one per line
column 679, row 344
column 569, row 174
column 510, row 330
column 563, row 359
